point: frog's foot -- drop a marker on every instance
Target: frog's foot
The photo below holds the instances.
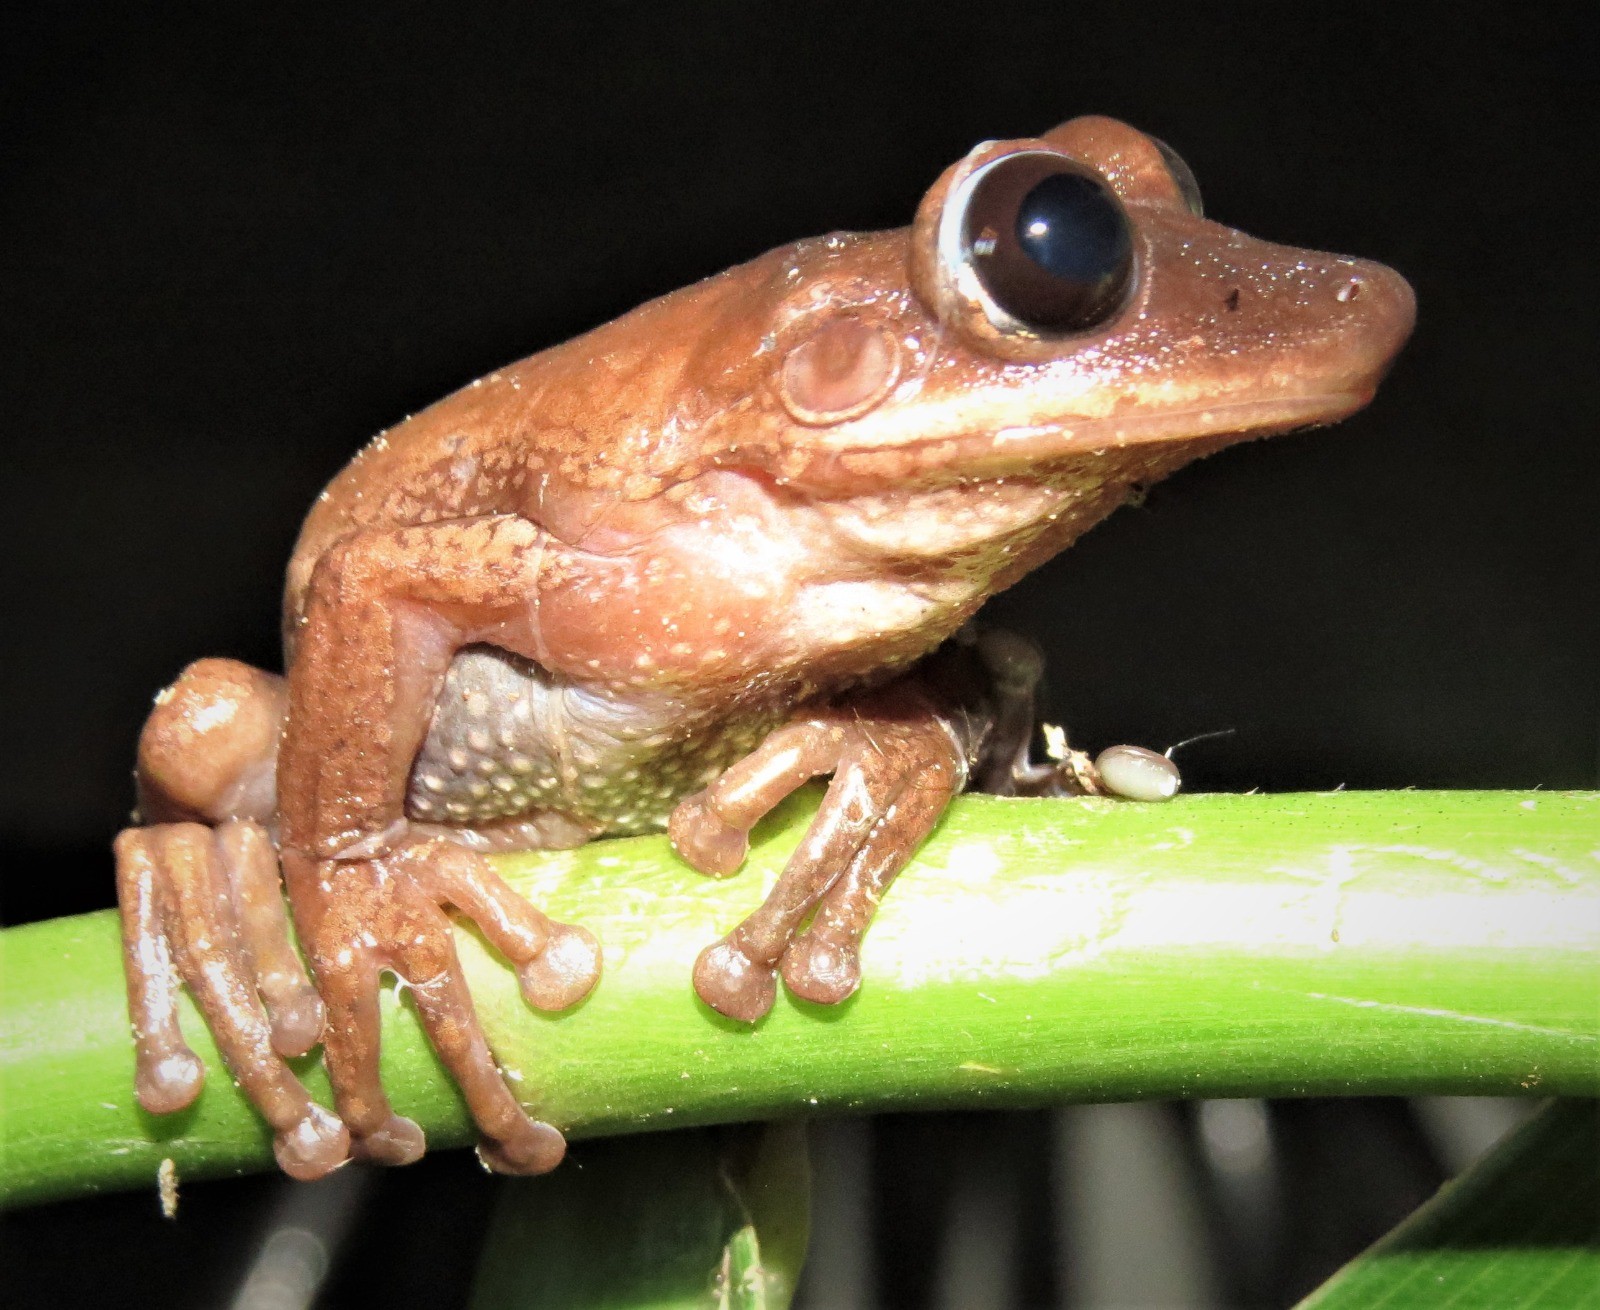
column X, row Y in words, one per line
column 204, row 904
column 896, row 763
column 360, row 916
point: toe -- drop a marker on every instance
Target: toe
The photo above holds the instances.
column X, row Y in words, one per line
column 399, row 1141
column 821, row 971
column 536, row 1150
column 314, row 1147
column 564, row 972
column 169, row 1081
column 297, row 1023
column 732, row 983
column 704, row 839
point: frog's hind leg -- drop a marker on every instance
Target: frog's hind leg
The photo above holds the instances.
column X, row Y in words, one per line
column 178, row 920
column 202, row 903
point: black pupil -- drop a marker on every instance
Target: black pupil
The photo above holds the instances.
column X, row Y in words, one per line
column 1049, row 242
column 1067, row 228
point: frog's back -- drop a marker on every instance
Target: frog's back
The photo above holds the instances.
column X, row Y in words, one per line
column 588, row 412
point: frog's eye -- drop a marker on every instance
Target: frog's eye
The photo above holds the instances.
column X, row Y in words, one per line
column 1049, row 244
column 1183, row 175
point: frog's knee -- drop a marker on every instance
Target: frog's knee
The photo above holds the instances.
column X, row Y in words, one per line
column 209, row 749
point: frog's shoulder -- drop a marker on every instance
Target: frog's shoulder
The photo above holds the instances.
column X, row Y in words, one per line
column 461, row 457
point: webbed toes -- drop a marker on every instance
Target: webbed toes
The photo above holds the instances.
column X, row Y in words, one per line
column 180, row 920
column 896, row 757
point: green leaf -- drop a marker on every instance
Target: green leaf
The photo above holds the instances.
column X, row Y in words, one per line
column 1035, row 952
column 708, row 1219
column 1520, row 1230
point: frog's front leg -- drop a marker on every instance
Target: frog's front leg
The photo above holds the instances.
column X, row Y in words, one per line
column 385, row 613
column 897, row 756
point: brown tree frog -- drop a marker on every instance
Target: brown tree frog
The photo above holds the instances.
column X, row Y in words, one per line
column 660, row 576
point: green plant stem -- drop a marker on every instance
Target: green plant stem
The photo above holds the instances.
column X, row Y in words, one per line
column 1036, row 951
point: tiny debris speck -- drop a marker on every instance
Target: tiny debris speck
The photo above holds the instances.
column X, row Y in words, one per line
column 167, row 1187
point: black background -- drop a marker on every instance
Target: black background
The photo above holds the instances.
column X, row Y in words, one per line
column 235, row 246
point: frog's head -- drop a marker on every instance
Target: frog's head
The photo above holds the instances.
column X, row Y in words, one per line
column 1061, row 318
column 1058, row 295
column 916, row 418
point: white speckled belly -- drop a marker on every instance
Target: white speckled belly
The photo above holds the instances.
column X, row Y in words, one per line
column 511, row 741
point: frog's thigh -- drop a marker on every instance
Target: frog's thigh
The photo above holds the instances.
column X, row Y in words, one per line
column 208, row 752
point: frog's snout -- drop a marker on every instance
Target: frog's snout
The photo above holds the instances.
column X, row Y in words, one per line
column 1378, row 312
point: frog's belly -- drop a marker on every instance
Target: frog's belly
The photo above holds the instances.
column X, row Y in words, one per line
column 510, row 741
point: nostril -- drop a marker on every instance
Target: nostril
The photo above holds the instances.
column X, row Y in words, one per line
column 1350, row 291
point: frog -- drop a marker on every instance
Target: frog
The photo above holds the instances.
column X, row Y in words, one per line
column 662, row 575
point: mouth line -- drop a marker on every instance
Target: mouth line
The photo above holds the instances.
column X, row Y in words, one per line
column 1243, row 417
column 1017, row 447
